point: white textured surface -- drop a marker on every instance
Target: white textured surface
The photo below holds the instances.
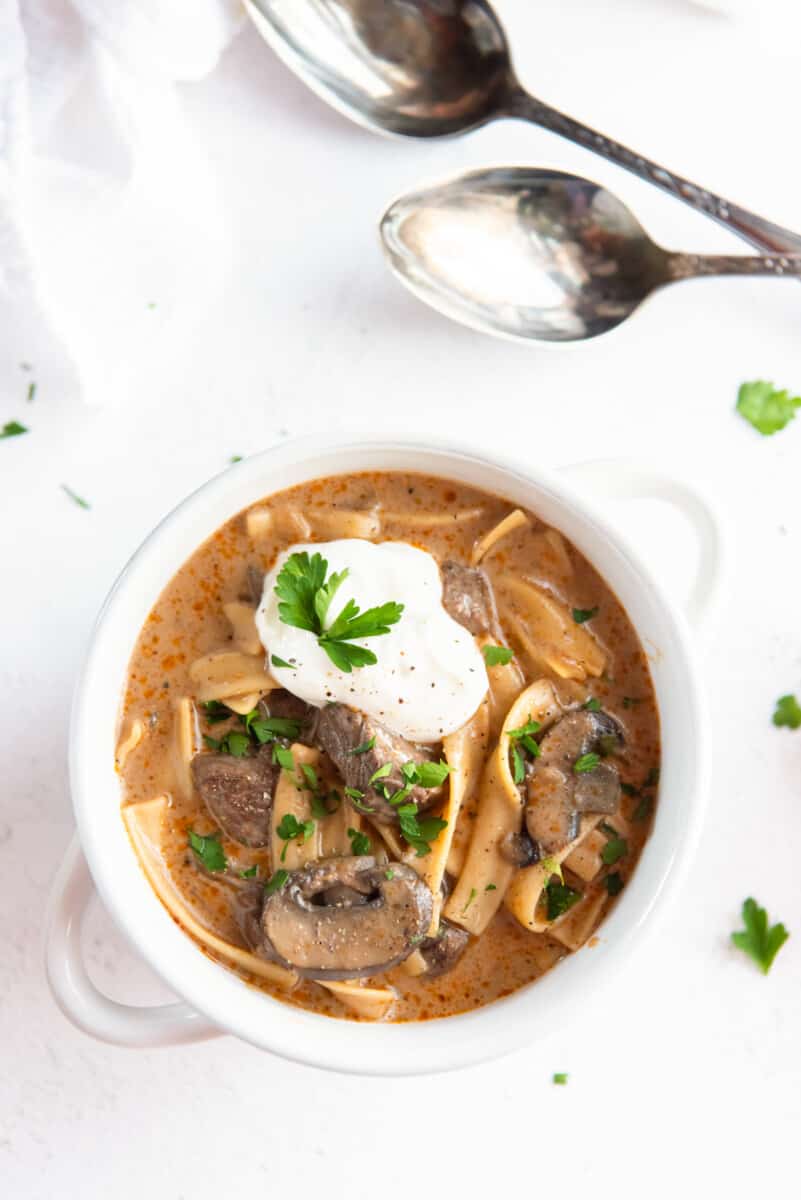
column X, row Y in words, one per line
column 686, row 1075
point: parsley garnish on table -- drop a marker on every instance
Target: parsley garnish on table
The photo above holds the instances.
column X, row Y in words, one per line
column 787, row 713
column 208, row 850
column 759, row 939
column 765, row 407
column 13, row 429
column 305, row 591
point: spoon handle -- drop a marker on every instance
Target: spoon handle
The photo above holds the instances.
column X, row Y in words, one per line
column 756, row 230
column 692, row 266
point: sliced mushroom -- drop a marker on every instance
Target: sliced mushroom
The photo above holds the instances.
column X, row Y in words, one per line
column 557, row 794
column 519, row 849
column 346, row 940
column 442, row 952
column 466, row 596
column 343, row 733
column 238, row 792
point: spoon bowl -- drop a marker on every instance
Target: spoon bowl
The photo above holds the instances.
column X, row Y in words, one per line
column 434, row 68
column 536, row 254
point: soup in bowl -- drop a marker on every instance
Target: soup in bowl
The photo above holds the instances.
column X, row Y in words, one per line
column 404, row 736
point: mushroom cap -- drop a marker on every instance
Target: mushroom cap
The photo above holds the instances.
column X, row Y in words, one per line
column 557, row 795
column 346, row 940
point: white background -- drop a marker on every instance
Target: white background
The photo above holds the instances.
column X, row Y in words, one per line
column 686, row 1074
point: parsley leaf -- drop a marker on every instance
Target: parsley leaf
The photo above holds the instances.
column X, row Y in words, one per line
column 586, row 763
column 249, row 872
column 761, row 941
column 280, row 662
column 559, row 898
column 643, row 810
column 491, row 887
column 365, row 746
column 788, row 713
column 497, row 656
column 359, row 842
column 470, row 899
column 290, row 827
column 560, row 1077
column 614, row 883
column 283, row 757
column 266, row 729
column 426, row 775
column 304, row 598
column 766, row 408
column 592, row 705
column 275, row 883
column 614, row 849
column 215, row 710
column 380, row 773
column 419, row 833
column 233, row 742
column 208, row 850
column 580, row 615
column 13, row 429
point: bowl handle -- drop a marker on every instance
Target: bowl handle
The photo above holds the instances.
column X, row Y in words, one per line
column 77, row 996
column 621, row 479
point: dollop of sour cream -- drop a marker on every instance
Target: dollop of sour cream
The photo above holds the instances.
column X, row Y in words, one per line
column 430, row 675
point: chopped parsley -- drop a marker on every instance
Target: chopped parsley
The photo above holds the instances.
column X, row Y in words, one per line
column 632, row 701
column 31, row 396
column 359, row 842
column 524, row 736
column 497, row 656
column 490, row 888
column 426, row 775
column 289, row 828
column 233, row 742
column 215, row 710
column 766, row 408
column 283, row 757
column 470, row 899
column 559, row 898
column 389, row 873
column 267, row 729
column 580, row 615
column 419, row 832
column 249, row 872
column 614, row 883
column 788, row 713
column 76, row 499
column 365, row 746
column 560, row 1078
column 592, row 705
column 652, row 778
column 208, row 850
column 759, row 940
column 323, row 805
column 644, row 809
column 276, row 882
column 614, row 850
column 355, row 797
column 304, row 598
column 280, row 662
column 235, row 458
column 13, row 429
column 586, row 763
column 380, row 773
column 310, row 775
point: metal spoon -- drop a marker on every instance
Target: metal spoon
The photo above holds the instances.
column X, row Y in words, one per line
column 538, row 254
column 428, row 68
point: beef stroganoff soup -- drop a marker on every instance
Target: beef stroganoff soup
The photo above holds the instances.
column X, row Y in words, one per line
column 389, row 747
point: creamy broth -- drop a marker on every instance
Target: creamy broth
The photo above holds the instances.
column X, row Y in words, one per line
column 539, row 583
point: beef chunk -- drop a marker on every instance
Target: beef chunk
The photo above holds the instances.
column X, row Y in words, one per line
column 281, row 703
column 466, row 596
column 340, row 730
column 238, row 792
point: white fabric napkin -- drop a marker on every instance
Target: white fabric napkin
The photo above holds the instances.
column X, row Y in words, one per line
column 109, row 242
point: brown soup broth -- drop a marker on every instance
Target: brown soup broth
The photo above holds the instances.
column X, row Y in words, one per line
column 187, row 621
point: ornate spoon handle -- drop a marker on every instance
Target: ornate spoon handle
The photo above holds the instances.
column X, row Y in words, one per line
column 691, row 266
column 756, row 230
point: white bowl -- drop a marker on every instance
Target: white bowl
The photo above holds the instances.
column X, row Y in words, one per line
column 214, row 998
